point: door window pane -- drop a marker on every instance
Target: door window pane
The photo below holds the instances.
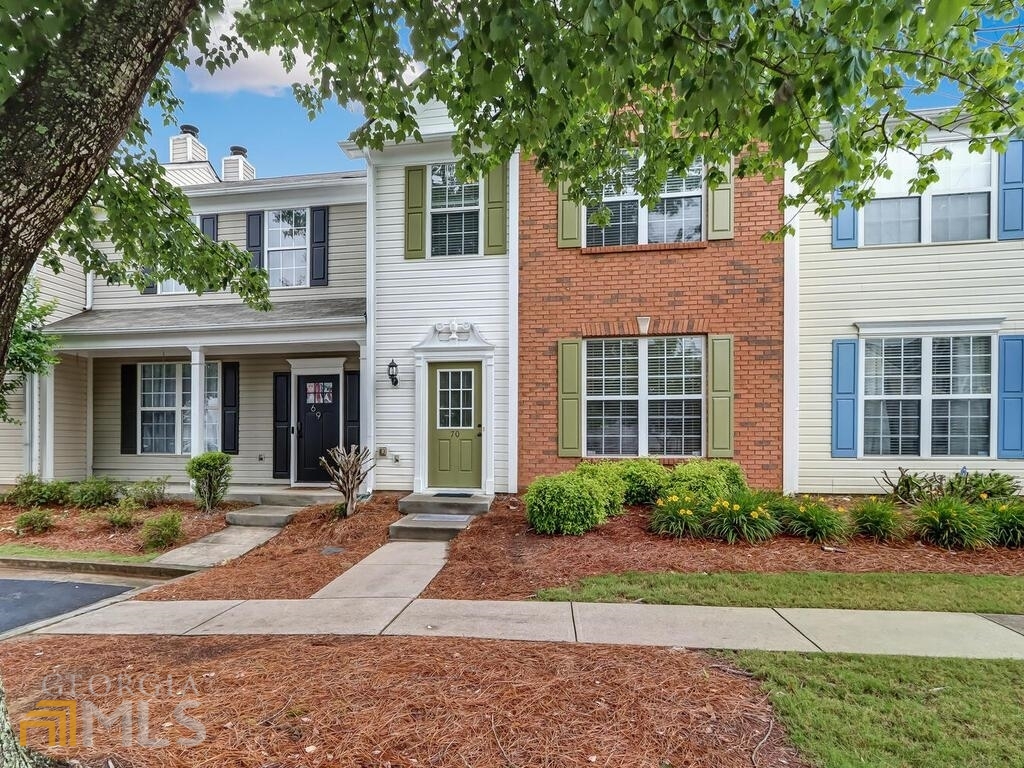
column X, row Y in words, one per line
column 455, row 399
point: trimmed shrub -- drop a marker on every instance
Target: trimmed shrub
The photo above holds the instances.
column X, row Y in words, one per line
column 210, row 473
column 952, row 523
column 741, row 516
column 678, row 516
column 122, row 516
column 1006, row 518
column 34, row 521
column 708, row 479
column 94, row 492
column 30, row 491
column 569, row 503
column 814, row 520
column 645, row 480
column 979, row 486
column 878, row 519
column 148, row 493
column 161, row 531
column 608, row 474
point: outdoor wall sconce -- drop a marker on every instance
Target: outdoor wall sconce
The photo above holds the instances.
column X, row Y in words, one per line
column 393, row 373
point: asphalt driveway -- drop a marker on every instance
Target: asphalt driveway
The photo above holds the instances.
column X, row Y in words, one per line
column 23, row 601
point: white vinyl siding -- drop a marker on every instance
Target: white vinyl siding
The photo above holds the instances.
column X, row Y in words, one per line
column 12, row 439
column 677, row 218
column 644, row 397
column 346, row 265
column 411, row 297
column 945, row 282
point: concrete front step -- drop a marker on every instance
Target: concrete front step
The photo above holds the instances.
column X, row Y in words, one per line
column 438, row 504
column 262, row 516
column 428, row 527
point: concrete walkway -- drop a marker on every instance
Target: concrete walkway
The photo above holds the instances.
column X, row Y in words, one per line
column 226, row 544
column 378, row 596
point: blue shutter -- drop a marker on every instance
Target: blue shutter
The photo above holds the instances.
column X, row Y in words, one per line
column 844, row 398
column 844, row 226
column 1011, row 191
column 1011, row 397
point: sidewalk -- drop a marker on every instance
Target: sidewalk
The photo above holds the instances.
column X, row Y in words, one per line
column 378, row 596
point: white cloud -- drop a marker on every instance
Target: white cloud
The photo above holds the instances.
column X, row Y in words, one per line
column 261, row 73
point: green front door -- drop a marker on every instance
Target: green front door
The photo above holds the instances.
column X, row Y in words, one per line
column 455, row 429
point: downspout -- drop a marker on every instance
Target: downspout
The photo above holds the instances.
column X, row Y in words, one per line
column 88, row 291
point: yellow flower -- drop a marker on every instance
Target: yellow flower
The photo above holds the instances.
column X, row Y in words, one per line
column 872, row 498
column 755, row 514
column 1002, row 507
column 735, row 507
column 983, row 496
column 801, row 508
column 689, row 498
column 673, row 498
column 660, row 503
column 840, row 509
column 821, row 499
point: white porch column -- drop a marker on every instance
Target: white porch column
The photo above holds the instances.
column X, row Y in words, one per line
column 46, row 425
column 198, row 433
column 90, row 415
column 366, row 438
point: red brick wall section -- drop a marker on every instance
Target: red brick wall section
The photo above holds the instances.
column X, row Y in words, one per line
column 728, row 286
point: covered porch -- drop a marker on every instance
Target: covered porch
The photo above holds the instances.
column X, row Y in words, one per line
column 153, row 387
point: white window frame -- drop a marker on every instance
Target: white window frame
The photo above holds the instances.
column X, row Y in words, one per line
column 643, row 236
column 643, row 397
column 926, row 207
column 178, row 408
column 267, row 248
column 927, row 396
column 431, row 210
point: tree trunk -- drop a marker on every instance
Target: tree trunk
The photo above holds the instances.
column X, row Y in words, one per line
column 12, row 754
column 60, row 127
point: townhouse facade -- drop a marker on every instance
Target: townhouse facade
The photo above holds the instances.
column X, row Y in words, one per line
column 911, row 326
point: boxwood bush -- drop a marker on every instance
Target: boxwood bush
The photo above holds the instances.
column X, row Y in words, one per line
column 707, row 479
column 952, row 523
column 609, row 475
column 645, row 479
column 571, row 503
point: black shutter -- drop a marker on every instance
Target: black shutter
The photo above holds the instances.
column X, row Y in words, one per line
column 254, row 237
column 351, row 409
column 282, row 425
column 208, row 226
column 150, row 288
column 229, row 407
column 318, row 245
column 129, row 409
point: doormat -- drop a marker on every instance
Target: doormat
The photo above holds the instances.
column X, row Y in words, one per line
column 453, row 495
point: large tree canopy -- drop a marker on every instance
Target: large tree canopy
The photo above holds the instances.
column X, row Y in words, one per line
column 571, row 83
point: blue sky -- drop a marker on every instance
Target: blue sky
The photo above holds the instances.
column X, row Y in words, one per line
column 252, row 105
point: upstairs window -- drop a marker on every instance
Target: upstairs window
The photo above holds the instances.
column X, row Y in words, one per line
column 288, row 248
column 454, row 213
column 678, row 217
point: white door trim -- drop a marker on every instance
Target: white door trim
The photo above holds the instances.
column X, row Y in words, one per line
column 313, row 366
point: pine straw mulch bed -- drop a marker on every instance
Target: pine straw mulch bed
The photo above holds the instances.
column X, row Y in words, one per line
column 499, row 558
column 293, row 563
column 443, row 703
column 80, row 530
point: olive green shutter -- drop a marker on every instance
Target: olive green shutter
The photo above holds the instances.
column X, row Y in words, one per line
column 570, row 397
column 570, row 231
column 720, row 205
column 496, row 211
column 416, row 212
column 720, row 396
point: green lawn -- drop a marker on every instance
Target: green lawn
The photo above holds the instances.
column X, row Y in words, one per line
column 880, row 591
column 896, row 712
column 96, row 555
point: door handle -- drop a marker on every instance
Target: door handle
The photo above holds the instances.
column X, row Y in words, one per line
column 298, row 430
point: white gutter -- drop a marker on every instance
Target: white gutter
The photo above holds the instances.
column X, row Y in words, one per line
column 249, row 187
column 218, row 327
column 513, row 323
column 791, row 345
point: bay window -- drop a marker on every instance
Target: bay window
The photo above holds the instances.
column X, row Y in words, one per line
column 678, row 217
column 165, row 408
column 645, row 397
column 928, row 396
column 454, row 213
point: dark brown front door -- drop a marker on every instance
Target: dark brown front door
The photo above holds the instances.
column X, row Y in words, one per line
column 319, row 424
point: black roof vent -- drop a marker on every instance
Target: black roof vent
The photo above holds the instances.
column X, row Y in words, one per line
column 191, row 130
column 239, row 150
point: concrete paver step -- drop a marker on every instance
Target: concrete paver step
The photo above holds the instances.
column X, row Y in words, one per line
column 445, row 503
column 428, row 527
column 262, row 516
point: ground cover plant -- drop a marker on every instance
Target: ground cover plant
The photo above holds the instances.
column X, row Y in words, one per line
column 878, row 519
column 951, row 522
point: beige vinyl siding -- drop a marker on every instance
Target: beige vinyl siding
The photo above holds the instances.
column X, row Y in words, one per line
column 12, row 439
column 932, row 282
column 411, row 296
column 66, row 287
column 346, row 266
column 69, row 422
column 255, row 431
